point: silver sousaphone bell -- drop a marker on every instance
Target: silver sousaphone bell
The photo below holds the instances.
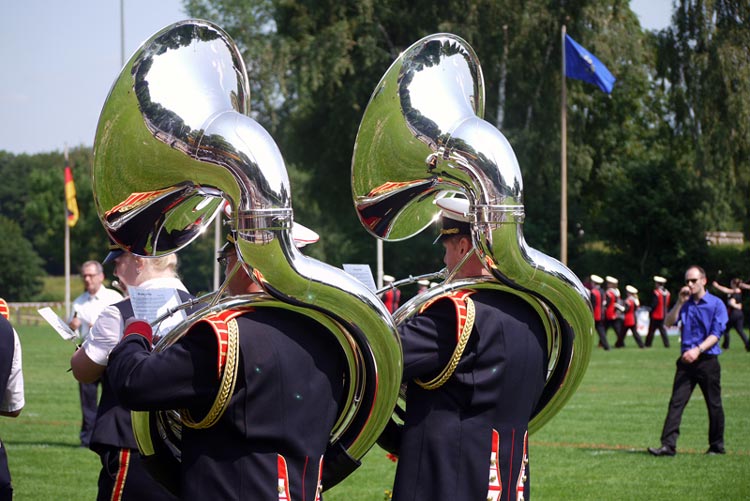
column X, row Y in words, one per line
column 423, row 137
column 175, row 140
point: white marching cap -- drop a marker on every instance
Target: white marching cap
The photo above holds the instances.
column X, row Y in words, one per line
column 454, row 208
column 597, row 279
column 423, row 282
column 388, row 279
column 612, row 280
column 660, row 280
column 303, row 235
column 631, row 289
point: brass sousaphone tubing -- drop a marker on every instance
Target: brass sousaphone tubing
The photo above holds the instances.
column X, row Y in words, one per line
column 174, row 140
column 423, row 137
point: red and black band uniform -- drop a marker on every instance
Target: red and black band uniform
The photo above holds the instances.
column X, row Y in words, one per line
column 659, row 309
column 613, row 315
column 629, row 324
column 391, row 299
column 123, row 475
column 597, row 300
column 270, row 441
column 467, row 439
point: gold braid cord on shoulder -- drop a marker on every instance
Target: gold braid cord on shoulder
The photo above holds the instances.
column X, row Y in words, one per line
column 447, row 372
column 228, row 380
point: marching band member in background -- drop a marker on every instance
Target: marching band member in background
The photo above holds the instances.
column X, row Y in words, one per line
column 631, row 303
column 659, row 309
column 392, row 296
column 597, row 300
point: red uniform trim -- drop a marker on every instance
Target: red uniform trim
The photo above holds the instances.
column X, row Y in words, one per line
column 123, row 462
column 521, row 484
column 458, row 297
column 283, row 479
column 495, row 487
column 218, row 322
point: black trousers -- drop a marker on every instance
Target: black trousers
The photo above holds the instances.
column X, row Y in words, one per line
column 653, row 325
column 88, row 394
column 624, row 332
column 736, row 322
column 6, row 489
column 602, row 331
column 124, row 478
column 706, row 373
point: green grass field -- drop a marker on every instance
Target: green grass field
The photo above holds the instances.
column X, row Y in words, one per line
column 595, row 448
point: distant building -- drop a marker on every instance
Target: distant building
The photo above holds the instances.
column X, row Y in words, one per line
column 724, row 237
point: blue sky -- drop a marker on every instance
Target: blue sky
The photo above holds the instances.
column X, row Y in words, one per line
column 61, row 58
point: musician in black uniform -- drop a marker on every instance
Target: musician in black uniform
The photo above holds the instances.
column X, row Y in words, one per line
column 12, row 398
column 465, row 437
column 123, row 476
column 269, row 441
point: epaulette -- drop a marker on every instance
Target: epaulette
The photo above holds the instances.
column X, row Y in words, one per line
column 219, row 323
column 464, row 324
column 224, row 325
column 459, row 299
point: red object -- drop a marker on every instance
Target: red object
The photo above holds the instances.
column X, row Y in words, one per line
column 141, row 328
column 391, row 297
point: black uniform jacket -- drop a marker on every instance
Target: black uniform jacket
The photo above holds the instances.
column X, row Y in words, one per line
column 467, row 439
column 273, row 434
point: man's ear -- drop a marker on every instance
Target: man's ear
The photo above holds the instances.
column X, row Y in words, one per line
column 466, row 245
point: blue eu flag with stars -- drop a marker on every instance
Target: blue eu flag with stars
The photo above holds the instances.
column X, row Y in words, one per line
column 583, row 65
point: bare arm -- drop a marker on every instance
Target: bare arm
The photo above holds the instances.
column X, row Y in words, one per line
column 718, row 286
column 84, row 369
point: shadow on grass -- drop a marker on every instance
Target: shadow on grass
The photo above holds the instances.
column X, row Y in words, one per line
column 25, row 443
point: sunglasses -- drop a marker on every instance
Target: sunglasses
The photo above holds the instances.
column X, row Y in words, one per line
column 691, row 280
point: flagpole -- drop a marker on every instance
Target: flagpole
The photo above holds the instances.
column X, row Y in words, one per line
column 563, row 160
column 67, row 248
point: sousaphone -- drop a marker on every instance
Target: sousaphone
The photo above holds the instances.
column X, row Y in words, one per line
column 174, row 140
column 423, row 137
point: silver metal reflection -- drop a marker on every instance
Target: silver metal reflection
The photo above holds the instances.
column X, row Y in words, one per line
column 423, row 137
column 174, row 140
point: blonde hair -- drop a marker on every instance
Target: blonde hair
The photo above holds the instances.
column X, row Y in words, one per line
column 161, row 266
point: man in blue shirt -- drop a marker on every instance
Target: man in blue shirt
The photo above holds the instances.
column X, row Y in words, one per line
column 703, row 317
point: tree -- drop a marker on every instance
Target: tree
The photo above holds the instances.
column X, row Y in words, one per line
column 22, row 273
column 328, row 57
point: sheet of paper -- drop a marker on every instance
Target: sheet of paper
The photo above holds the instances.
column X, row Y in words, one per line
column 151, row 304
column 58, row 324
column 363, row 273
